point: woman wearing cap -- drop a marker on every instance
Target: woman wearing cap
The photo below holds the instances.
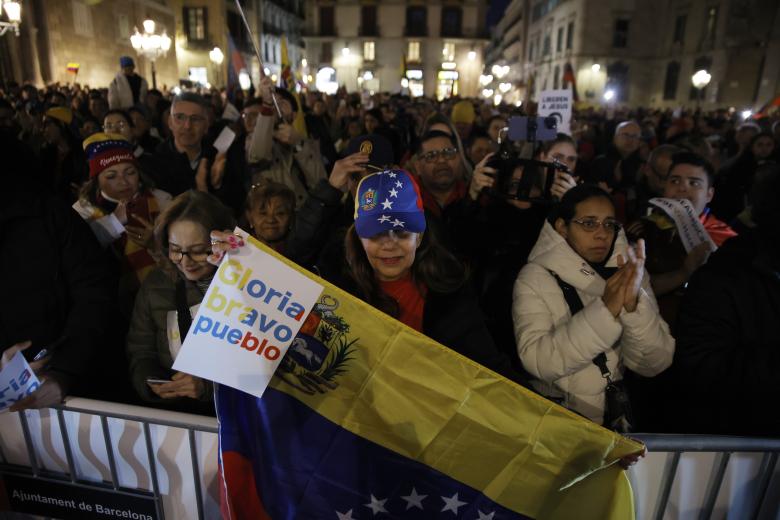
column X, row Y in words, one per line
column 583, row 308
column 399, row 268
column 168, row 298
column 121, row 206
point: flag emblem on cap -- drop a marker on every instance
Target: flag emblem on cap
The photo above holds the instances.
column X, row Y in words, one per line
column 368, row 199
column 366, row 147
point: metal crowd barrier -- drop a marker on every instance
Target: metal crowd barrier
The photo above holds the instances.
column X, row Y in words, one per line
column 170, row 460
column 128, row 452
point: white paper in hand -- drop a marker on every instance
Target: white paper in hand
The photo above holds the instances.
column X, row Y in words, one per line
column 224, row 140
column 17, row 380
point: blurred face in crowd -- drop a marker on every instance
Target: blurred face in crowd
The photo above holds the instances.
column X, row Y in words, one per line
column 353, row 129
column 627, row 138
column 98, row 108
column 249, row 116
column 188, row 124
column 116, row 124
column 564, row 153
column 657, row 171
column 286, row 108
column 319, row 108
column 592, row 230
column 272, row 222
column 480, row 147
column 389, row 113
column 58, row 100
column 371, row 123
column 688, row 181
column 763, row 147
column 744, row 135
column 140, row 124
column 52, row 132
column 120, row 181
column 391, row 254
column 495, row 127
column 438, row 165
column 129, row 70
column 88, row 128
column 188, row 248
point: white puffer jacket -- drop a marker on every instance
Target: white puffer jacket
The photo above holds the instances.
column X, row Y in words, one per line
column 558, row 349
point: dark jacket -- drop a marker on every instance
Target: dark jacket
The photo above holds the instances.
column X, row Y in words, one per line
column 728, row 343
column 56, row 283
column 171, row 170
column 602, row 169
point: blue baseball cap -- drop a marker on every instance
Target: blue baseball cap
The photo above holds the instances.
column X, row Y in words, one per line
column 388, row 201
column 126, row 61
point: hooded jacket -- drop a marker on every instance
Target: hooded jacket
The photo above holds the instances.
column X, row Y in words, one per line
column 557, row 349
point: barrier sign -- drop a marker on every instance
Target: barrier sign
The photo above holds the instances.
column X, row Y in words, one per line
column 66, row 500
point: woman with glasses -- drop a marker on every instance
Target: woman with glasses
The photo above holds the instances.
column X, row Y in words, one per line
column 583, row 307
column 169, row 298
column 120, row 205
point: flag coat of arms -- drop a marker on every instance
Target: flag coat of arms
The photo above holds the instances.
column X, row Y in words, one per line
column 368, row 418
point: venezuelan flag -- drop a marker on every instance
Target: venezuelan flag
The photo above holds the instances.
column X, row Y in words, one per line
column 368, row 418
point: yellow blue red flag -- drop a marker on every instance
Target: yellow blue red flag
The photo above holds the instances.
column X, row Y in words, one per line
column 368, row 418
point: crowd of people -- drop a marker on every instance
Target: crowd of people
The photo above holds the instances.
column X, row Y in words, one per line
column 552, row 263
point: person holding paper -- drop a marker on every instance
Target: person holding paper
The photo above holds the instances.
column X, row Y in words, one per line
column 120, row 205
column 164, row 305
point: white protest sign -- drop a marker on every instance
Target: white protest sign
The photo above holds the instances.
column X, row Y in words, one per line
column 557, row 104
column 17, row 380
column 247, row 320
column 682, row 212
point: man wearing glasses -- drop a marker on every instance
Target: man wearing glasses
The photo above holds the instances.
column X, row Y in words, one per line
column 440, row 171
column 176, row 160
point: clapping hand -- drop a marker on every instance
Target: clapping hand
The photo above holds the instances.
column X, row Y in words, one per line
column 623, row 287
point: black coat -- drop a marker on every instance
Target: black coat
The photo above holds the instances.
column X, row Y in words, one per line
column 727, row 359
column 55, row 280
column 171, row 170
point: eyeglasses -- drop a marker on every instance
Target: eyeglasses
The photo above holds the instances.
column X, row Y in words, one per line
column 193, row 119
column 591, row 224
column 116, row 127
column 433, row 155
column 177, row 255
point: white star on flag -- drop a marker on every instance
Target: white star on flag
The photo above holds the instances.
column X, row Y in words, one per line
column 393, row 193
column 483, row 516
column 383, row 219
column 387, row 204
column 452, row 504
column 392, row 175
column 345, row 516
column 397, row 223
column 399, row 184
column 376, row 505
column 414, row 500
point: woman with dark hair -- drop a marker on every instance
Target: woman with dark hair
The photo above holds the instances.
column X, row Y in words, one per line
column 61, row 155
column 169, row 298
column 120, row 205
column 583, row 308
column 397, row 265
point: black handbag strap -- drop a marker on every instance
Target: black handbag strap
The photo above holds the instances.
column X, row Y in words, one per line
column 182, row 310
column 574, row 302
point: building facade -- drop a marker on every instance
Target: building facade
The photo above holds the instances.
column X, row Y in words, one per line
column 429, row 48
column 93, row 35
column 642, row 53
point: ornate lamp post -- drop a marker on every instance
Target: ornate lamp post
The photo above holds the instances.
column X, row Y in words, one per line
column 150, row 45
column 13, row 11
column 700, row 80
column 216, row 56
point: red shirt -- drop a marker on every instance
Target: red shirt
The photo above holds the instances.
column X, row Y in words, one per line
column 430, row 203
column 411, row 300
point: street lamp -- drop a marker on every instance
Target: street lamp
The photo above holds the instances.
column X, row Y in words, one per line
column 700, row 80
column 13, row 11
column 150, row 45
column 216, row 56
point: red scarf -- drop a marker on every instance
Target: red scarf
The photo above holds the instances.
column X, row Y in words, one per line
column 718, row 230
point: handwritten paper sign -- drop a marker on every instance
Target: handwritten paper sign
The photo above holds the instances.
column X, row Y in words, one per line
column 17, row 380
column 692, row 232
column 247, row 320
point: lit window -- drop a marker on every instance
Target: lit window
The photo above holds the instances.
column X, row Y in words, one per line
column 369, row 51
column 448, row 52
column 413, row 51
